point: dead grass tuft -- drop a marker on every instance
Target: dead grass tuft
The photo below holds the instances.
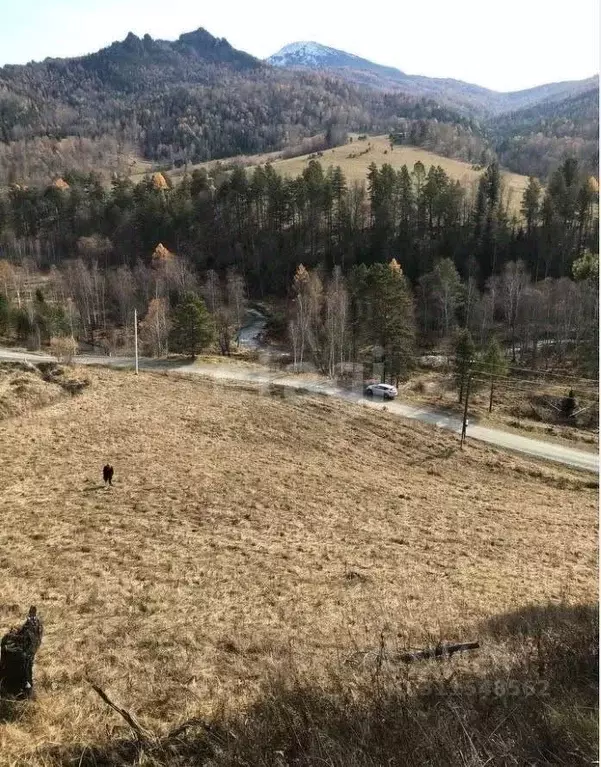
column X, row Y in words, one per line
column 25, row 387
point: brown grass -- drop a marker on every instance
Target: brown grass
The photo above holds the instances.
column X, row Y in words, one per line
column 25, row 388
column 518, row 405
column 222, row 556
column 355, row 168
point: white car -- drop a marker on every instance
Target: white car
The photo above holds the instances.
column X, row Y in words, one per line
column 381, row 390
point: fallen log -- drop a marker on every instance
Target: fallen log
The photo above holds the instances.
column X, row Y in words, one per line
column 382, row 655
column 17, row 654
column 440, row 651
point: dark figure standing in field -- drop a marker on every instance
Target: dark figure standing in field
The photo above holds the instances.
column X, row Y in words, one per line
column 107, row 474
column 17, row 653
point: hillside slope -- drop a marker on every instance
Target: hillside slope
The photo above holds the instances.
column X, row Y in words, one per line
column 355, row 164
column 459, row 94
column 197, row 98
column 531, row 131
column 246, row 533
column 355, row 158
column 193, row 99
column 535, row 140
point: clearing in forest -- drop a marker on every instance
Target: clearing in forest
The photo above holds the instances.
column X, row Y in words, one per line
column 355, row 158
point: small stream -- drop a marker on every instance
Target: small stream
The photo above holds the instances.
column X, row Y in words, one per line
column 250, row 336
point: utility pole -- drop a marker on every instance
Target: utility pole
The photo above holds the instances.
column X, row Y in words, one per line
column 136, row 336
column 467, row 396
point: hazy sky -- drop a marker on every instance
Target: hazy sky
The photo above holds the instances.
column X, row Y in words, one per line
column 503, row 45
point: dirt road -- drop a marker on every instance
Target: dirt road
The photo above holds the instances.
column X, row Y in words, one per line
column 549, row 451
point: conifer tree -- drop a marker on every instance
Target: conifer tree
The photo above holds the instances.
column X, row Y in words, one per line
column 192, row 326
column 392, row 322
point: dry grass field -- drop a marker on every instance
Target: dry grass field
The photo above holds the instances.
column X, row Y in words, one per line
column 355, row 168
column 248, row 534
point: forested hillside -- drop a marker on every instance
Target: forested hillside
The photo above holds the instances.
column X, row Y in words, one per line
column 197, row 99
column 464, row 263
column 191, row 100
column 403, row 260
column 468, row 98
column 535, row 140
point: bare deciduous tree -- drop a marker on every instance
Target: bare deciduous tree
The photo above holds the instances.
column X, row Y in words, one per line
column 122, row 289
column 154, row 328
column 336, row 319
column 301, row 323
column 446, row 288
column 211, row 291
column 236, row 297
column 12, row 281
column 514, row 281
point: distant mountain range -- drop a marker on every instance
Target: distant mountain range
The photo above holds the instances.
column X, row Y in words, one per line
column 197, row 98
column 465, row 96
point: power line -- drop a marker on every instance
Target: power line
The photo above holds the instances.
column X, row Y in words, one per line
column 450, row 358
column 516, row 381
column 551, row 373
column 524, row 384
column 504, row 385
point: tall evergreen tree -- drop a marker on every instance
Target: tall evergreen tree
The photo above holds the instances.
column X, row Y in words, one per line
column 392, row 323
column 192, row 327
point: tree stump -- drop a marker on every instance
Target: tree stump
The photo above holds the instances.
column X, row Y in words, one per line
column 17, row 654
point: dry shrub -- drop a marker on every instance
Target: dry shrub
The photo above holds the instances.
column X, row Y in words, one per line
column 64, row 348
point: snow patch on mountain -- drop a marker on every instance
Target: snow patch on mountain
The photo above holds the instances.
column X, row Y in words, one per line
column 305, row 53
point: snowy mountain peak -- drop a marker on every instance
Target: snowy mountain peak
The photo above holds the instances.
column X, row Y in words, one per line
column 306, row 48
column 307, row 54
